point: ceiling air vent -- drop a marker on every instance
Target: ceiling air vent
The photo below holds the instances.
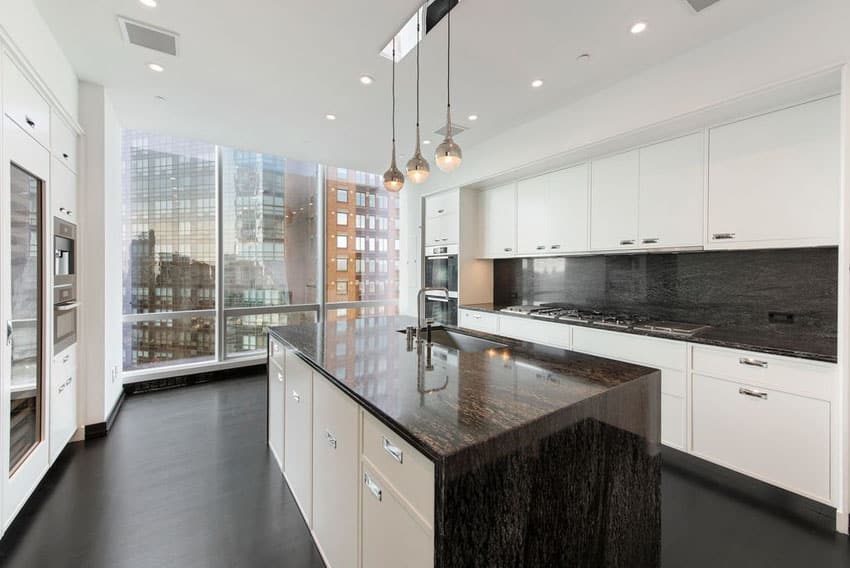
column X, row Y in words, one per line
column 456, row 129
column 700, row 5
column 144, row 35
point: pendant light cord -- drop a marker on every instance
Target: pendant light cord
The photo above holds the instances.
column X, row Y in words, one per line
column 418, row 43
column 393, row 92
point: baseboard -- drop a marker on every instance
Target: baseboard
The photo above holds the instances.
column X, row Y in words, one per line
column 100, row 429
column 842, row 523
column 180, row 381
column 753, row 491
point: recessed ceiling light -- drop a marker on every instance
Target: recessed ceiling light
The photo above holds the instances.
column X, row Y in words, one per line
column 537, row 83
column 149, row 3
column 472, row 117
column 156, row 67
column 366, row 79
column 638, row 27
column 330, row 116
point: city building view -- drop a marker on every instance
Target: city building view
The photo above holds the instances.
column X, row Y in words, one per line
column 269, row 247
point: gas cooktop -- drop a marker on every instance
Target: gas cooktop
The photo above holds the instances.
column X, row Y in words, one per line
column 614, row 320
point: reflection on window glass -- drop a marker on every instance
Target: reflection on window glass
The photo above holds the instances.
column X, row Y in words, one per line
column 166, row 342
column 169, row 192
column 248, row 334
column 269, row 222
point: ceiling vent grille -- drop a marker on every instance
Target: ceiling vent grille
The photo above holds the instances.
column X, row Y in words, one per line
column 700, row 5
column 456, row 129
column 147, row 36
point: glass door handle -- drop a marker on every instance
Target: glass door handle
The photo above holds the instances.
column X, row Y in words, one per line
column 8, row 332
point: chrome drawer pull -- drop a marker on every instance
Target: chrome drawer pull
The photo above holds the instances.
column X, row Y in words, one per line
column 508, row 249
column 372, row 486
column 555, row 247
column 723, row 236
column 626, row 242
column 752, row 362
column 541, row 247
column 395, row 452
column 65, row 155
column 296, row 397
column 65, row 358
column 752, row 393
column 652, row 241
column 280, row 377
column 29, row 121
column 331, row 439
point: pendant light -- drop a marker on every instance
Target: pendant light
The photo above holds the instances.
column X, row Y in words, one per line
column 418, row 169
column 393, row 178
column 449, row 155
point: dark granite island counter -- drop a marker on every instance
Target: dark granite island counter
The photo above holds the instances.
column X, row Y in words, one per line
column 542, row 457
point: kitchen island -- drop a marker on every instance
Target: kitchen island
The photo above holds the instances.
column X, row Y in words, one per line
column 495, row 452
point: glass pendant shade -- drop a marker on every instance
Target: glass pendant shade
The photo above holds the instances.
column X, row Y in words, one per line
column 418, row 168
column 448, row 154
column 393, row 178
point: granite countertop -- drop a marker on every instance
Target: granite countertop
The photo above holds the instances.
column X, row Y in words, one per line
column 816, row 348
column 463, row 399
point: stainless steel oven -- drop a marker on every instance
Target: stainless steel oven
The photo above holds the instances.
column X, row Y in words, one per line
column 64, row 261
column 64, row 326
column 441, row 268
column 441, row 309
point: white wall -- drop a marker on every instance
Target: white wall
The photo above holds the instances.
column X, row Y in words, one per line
column 21, row 23
column 100, row 253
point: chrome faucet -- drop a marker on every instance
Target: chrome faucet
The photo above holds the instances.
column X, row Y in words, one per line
column 420, row 301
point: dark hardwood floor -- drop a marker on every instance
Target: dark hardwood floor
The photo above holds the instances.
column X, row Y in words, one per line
column 184, row 480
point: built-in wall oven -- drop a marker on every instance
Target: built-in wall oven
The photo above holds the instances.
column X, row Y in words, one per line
column 441, row 272
column 64, row 284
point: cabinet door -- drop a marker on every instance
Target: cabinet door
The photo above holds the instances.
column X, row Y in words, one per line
column 498, row 221
column 392, row 534
column 567, row 210
column 63, row 401
column 298, row 437
column 671, row 193
column 335, row 482
column 774, row 179
column 779, row 438
column 63, row 192
column 450, row 232
column 614, row 202
column 434, row 230
column 531, row 217
column 276, row 402
column 23, row 104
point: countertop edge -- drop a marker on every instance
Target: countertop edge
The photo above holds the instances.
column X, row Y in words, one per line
column 696, row 340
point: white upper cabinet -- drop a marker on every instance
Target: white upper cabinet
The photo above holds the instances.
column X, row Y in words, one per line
column 552, row 212
column 442, row 218
column 671, row 193
column 63, row 142
column 614, row 202
column 23, row 104
column 498, row 221
column 774, row 179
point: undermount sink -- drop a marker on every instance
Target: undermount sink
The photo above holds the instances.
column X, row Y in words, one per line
column 460, row 341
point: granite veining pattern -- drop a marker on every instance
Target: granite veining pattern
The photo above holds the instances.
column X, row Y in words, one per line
column 543, row 457
column 735, row 292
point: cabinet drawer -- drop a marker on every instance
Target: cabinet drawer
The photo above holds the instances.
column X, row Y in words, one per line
column 409, row 472
column 673, row 421
column 781, row 373
column 479, row 321
column 555, row 334
column 63, row 142
column 779, row 438
column 298, row 433
column 275, row 413
column 633, row 348
column 277, row 353
column 23, row 104
column 63, row 191
column 391, row 534
column 63, row 400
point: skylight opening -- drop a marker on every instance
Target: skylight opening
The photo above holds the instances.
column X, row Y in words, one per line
column 407, row 37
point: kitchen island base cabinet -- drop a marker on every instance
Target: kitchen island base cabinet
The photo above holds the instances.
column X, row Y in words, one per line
column 336, row 461
column 298, row 433
column 276, row 404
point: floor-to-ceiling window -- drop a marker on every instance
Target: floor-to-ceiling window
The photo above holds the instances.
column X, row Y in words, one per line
column 220, row 243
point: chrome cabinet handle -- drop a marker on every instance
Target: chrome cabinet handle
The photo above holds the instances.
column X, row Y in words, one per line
column 651, row 241
column 476, row 316
column 394, row 451
column 626, row 242
column 752, row 362
column 67, row 307
column 372, row 486
column 66, row 384
column 508, row 249
column 296, row 397
column 752, row 393
column 280, row 377
column 723, row 236
column 65, row 358
column 29, row 121
column 65, row 155
column 555, row 247
column 541, row 247
column 331, row 439
column 9, row 332
column 441, row 210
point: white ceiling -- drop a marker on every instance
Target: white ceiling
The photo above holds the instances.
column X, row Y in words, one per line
column 262, row 74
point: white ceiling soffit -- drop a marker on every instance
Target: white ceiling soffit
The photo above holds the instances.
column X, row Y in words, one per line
column 263, row 75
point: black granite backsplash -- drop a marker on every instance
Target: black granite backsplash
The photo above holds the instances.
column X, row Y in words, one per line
column 780, row 290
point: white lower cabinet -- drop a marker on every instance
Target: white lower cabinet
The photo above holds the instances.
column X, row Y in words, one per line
column 479, row 321
column 544, row 332
column 336, row 460
column 63, row 400
column 276, row 404
column 298, row 435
